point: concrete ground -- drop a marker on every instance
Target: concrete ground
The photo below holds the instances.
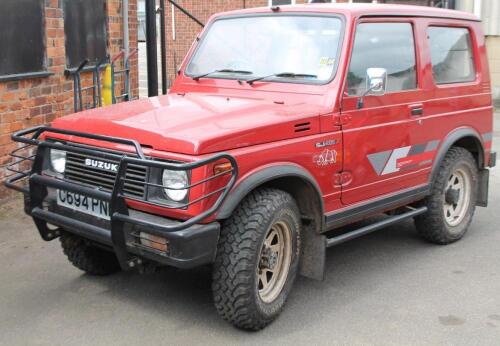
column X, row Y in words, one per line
column 388, row 288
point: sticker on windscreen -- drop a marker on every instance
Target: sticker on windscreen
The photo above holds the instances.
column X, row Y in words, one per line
column 326, row 61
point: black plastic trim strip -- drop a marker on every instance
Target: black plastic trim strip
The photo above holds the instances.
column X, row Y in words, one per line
column 364, row 210
column 449, row 141
column 374, row 227
column 257, row 179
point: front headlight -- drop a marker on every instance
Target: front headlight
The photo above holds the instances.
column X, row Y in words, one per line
column 58, row 160
column 175, row 180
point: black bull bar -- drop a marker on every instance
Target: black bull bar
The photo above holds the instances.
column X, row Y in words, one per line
column 121, row 216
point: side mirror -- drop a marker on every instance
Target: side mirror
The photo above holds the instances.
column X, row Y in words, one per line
column 376, row 83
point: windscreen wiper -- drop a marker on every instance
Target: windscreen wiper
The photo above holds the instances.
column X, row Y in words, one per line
column 284, row 75
column 226, row 70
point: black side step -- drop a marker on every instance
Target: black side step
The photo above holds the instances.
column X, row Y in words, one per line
column 375, row 226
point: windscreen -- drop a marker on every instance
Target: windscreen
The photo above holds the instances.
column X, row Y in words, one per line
column 302, row 48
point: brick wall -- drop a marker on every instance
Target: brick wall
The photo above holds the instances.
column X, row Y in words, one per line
column 32, row 102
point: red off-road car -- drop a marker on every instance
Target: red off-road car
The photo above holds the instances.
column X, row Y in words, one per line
column 283, row 125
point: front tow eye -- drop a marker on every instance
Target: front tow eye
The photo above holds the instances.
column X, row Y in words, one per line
column 452, row 196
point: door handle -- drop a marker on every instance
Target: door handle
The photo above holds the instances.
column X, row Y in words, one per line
column 416, row 110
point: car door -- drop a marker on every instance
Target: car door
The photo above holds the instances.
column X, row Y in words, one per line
column 383, row 137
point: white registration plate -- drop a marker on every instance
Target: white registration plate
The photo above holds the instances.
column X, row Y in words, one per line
column 84, row 204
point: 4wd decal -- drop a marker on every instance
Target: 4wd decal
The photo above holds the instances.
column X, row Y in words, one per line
column 327, row 157
column 404, row 158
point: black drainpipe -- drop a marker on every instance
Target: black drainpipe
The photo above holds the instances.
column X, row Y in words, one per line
column 163, row 48
column 151, row 51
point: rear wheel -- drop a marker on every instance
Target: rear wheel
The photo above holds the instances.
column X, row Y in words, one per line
column 257, row 259
column 453, row 199
column 87, row 257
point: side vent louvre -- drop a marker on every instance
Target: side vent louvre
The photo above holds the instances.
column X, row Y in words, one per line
column 301, row 127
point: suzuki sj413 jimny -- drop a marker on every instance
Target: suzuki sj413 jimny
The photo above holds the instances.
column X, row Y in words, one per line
column 283, row 125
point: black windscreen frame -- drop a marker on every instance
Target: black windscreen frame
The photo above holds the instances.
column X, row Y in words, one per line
column 85, row 31
column 22, row 37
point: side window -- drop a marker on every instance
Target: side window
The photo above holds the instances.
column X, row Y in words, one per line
column 451, row 55
column 384, row 45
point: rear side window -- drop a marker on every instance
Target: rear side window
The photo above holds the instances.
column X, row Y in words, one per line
column 383, row 45
column 451, row 55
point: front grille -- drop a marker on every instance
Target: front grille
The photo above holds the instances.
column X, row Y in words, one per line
column 78, row 171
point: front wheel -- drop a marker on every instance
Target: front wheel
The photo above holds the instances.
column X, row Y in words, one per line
column 257, row 259
column 453, row 199
column 88, row 258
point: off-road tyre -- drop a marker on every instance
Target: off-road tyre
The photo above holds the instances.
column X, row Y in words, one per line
column 90, row 259
column 433, row 225
column 236, row 271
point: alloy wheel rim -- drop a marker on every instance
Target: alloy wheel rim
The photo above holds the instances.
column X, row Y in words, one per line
column 274, row 261
column 458, row 183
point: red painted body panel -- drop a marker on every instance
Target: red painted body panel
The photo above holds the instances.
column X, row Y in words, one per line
column 255, row 123
column 198, row 123
column 386, row 123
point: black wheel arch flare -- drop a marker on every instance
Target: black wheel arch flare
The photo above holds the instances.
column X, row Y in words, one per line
column 289, row 177
column 465, row 137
